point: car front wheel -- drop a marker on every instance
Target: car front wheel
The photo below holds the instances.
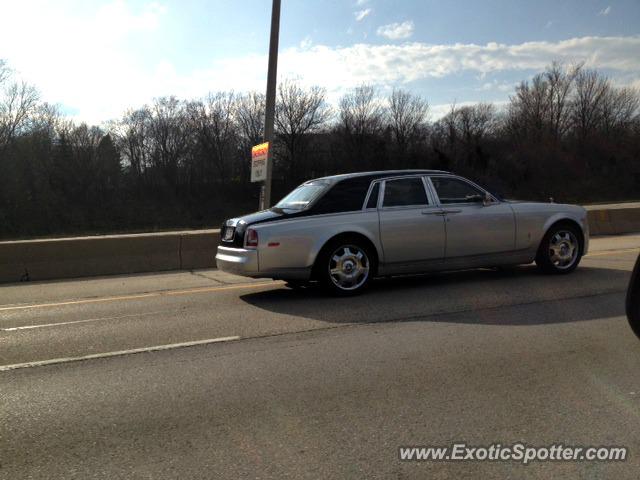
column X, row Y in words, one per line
column 560, row 250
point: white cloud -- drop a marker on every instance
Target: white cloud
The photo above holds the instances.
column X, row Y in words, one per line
column 498, row 86
column 361, row 14
column 361, row 2
column 605, row 11
column 99, row 76
column 438, row 111
column 396, row 31
column 397, row 65
column 83, row 60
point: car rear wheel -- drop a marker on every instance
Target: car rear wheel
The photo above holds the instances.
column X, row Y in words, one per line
column 345, row 267
column 560, row 250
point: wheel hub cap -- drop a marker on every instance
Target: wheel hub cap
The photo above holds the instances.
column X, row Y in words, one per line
column 349, row 267
column 563, row 249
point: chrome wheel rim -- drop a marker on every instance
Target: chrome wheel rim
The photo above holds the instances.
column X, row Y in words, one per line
column 348, row 267
column 563, row 249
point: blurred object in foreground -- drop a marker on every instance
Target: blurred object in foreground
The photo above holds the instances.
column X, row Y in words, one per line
column 633, row 299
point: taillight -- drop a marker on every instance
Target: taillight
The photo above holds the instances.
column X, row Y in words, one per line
column 251, row 238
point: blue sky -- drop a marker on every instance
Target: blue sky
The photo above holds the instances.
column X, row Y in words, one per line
column 98, row 58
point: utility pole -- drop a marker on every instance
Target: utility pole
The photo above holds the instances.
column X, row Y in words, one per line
column 270, row 107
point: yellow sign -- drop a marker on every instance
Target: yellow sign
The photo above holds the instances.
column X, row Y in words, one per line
column 259, row 156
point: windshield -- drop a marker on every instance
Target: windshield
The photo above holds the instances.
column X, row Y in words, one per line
column 302, row 196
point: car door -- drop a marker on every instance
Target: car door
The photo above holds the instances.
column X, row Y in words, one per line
column 411, row 224
column 473, row 227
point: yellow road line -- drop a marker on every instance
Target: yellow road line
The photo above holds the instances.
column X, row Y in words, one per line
column 138, row 296
column 612, row 252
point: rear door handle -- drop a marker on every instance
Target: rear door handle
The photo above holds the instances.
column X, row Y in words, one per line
column 433, row 212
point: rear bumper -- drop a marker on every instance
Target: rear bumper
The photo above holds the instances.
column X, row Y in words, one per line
column 240, row 261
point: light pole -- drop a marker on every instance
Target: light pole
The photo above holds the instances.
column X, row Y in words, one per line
column 270, row 107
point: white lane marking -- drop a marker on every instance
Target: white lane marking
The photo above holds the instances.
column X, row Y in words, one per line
column 142, row 295
column 73, row 322
column 171, row 346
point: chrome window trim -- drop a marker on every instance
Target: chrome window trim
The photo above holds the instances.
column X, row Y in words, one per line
column 369, row 192
column 432, row 192
column 431, row 198
column 475, row 185
column 403, row 207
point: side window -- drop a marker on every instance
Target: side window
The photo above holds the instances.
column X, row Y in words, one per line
column 404, row 192
column 452, row 190
column 373, row 198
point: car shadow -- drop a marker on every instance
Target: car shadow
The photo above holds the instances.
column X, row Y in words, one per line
column 484, row 296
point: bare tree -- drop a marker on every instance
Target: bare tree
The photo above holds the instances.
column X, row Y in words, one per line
column 361, row 112
column 249, row 111
column 620, row 109
column 542, row 106
column 360, row 127
column 560, row 83
column 476, row 122
column 46, row 119
column 4, row 71
column 213, row 122
column 299, row 112
column 460, row 135
column 168, row 131
column 587, row 107
column 250, row 114
column 19, row 102
column 407, row 117
column 132, row 138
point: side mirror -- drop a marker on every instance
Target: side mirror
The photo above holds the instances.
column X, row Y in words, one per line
column 487, row 200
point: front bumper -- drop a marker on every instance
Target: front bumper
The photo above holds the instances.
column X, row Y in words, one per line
column 240, row 261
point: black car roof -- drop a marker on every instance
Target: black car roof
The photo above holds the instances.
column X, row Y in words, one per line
column 375, row 174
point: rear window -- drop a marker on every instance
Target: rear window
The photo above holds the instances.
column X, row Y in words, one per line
column 345, row 196
column 302, row 196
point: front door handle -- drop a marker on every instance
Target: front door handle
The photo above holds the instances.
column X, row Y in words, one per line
column 433, row 212
column 458, row 210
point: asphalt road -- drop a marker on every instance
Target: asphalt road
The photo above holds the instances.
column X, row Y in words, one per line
column 294, row 384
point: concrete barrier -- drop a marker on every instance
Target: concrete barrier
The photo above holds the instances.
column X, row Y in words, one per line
column 198, row 249
column 614, row 219
column 106, row 255
column 187, row 250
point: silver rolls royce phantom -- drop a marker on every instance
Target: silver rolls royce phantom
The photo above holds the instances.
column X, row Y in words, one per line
column 343, row 230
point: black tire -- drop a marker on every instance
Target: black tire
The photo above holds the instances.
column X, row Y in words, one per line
column 348, row 250
column 633, row 299
column 560, row 250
